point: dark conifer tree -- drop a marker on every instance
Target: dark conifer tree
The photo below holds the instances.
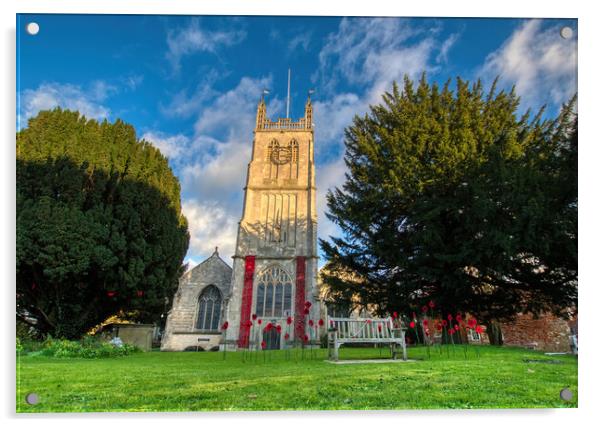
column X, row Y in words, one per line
column 451, row 197
column 99, row 224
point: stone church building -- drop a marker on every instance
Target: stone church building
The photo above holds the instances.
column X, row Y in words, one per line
column 275, row 263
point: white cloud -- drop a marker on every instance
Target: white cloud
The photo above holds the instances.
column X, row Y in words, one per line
column 171, row 147
column 132, row 81
column 194, row 39
column 233, row 112
column 184, row 105
column 328, row 176
column 210, row 225
column 376, row 50
column 68, row 96
column 221, row 168
column 446, row 46
column 540, row 62
column 332, row 116
column 299, row 41
column 219, row 176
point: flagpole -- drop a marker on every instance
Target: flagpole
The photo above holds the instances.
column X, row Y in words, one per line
column 288, row 93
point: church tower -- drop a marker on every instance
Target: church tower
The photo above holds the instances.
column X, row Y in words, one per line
column 275, row 263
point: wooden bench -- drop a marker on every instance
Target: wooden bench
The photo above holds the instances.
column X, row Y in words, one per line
column 377, row 331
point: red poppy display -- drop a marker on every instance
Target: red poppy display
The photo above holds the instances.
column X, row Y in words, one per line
column 425, row 309
column 263, row 345
column 368, row 321
column 451, row 331
column 478, row 329
column 412, row 324
column 259, row 322
column 439, row 327
column 289, row 320
column 444, row 322
column 286, row 336
column 278, row 328
column 425, row 322
column 311, row 322
column 306, row 311
column 320, row 322
column 307, row 304
column 472, row 323
column 305, row 338
column 458, row 317
column 449, row 317
column 394, row 315
column 380, row 328
column 456, row 327
column 269, row 327
column 432, row 304
column 225, row 326
column 254, row 317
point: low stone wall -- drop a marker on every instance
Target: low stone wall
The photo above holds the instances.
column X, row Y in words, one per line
column 180, row 341
column 140, row 335
column 546, row 333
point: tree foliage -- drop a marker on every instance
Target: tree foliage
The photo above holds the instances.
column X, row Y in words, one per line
column 99, row 224
column 451, row 197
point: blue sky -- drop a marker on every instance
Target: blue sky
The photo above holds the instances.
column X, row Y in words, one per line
column 190, row 85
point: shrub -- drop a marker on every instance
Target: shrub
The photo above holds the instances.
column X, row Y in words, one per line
column 88, row 348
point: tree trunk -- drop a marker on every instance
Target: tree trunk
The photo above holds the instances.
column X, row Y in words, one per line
column 494, row 332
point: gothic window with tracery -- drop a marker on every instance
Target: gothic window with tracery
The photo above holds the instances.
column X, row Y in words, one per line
column 294, row 147
column 210, row 304
column 271, row 147
column 274, row 293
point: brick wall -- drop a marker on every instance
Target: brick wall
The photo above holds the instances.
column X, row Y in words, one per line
column 547, row 333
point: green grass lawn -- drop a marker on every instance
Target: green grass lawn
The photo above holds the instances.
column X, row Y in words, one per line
column 156, row 381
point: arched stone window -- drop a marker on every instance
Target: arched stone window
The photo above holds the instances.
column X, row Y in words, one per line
column 274, row 293
column 273, row 145
column 210, row 305
column 294, row 147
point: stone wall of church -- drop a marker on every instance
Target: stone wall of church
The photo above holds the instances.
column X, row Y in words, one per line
column 183, row 341
column 180, row 329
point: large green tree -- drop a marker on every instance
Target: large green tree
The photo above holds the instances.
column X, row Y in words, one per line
column 99, row 224
column 452, row 197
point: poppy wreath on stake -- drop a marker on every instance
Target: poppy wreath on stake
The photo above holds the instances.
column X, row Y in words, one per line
column 225, row 328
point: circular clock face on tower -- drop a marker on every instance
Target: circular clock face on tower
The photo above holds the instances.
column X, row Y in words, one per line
column 281, row 155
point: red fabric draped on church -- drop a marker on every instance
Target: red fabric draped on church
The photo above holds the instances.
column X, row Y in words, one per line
column 247, row 302
column 300, row 299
